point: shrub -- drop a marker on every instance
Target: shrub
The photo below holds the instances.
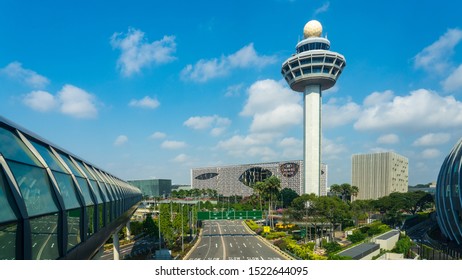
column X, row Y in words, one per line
column 357, row 236
column 332, row 247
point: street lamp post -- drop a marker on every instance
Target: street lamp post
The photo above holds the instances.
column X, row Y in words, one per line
column 160, row 240
column 182, row 227
column 307, row 206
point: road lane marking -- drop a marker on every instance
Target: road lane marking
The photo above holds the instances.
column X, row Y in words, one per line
column 34, row 244
column 216, row 245
column 231, row 245
column 262, row 258
column 244, row 245
column 259, row 244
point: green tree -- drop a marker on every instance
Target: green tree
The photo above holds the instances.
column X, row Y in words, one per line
column 360, row 210
column 166, row 227
column 149, row 227
column 333, row 210
column 287, row 196
column 345, row 191
column 403, row 246
column 272, row 189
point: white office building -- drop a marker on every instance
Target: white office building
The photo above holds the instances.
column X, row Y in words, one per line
column 379, row 174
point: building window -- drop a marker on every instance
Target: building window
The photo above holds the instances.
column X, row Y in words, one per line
column 206, row 176
column 254, row 175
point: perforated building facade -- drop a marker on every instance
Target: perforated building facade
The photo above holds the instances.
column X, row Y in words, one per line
column 239, row 179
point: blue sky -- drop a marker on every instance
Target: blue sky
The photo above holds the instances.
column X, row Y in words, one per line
column 151, row 89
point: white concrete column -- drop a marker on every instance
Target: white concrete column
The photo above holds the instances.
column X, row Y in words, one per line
column 312, row 138
column 129, row 233
column 116, row 245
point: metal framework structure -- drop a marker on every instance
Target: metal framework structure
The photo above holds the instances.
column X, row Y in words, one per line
column 53, row 204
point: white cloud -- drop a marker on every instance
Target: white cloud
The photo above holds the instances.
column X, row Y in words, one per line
column 324, row 8
column 234, row 90
column 120, row 140
column 331, row 149
column 145, row 102
column 217, row 124
column 170, row 144
column 435, row 58
column 377, row 98
column 205, row 122
column 217, row 131
column 205, row 70
column 244, row 146
column 70, row 100
column 158, row 135
column 274, row 107
column 430, row 153
column 454, row 81
column 388, row 139
column 379, row 150
column 291, row 148
column 181, row 158
column 41, row 101
column 137, row 53
column 432, row 139
column 76, row 102
column 14, row 70
column 334, row 115
column 421, row 109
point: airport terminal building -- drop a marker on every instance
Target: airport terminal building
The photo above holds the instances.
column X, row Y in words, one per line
column 239, row 179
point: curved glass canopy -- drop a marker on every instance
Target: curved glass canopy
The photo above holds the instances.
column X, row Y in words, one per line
column 52, row 202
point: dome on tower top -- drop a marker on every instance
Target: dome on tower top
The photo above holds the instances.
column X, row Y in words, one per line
column 313, row 28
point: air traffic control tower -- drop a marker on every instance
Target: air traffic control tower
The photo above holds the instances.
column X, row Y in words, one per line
column 312, row 69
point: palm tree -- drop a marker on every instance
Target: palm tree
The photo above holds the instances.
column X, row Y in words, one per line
column 272, row 189
column 259, row 188
column 345, row 191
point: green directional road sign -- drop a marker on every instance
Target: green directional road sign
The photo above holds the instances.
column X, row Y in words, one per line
column 229, row 215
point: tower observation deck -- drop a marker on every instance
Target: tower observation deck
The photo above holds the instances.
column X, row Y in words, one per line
column 312, row 69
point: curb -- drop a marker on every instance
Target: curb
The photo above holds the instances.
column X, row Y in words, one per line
column 275, row 248
column 199, row 237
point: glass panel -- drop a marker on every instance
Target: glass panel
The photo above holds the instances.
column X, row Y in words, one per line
column 71, row 165
column 85, row 190
column 45, row 237
column 6, row 212
column 13, row 148
column 94, row 187
column 329, row 60
column 101, row 215
column 294, row 64
column 35, row 188
column 307, row 70
column 91, row 219
column 48, row 156
column 8, row 242
column 90, row 176
column 67, row 188
column 73, row 228
column 318, row 59
column 305, row 61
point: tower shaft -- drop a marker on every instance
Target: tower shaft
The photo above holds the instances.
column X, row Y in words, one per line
column 312, row 138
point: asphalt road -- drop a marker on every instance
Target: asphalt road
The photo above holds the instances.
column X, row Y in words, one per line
column 230, row 240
